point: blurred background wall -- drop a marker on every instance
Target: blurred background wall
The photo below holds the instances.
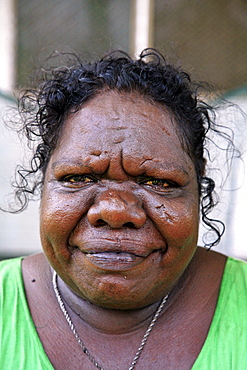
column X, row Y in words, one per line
column 209, row 39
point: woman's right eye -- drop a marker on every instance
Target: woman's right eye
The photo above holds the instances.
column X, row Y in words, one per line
column 76, row 180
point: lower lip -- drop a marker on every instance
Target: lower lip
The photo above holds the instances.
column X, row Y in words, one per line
column 114, row 261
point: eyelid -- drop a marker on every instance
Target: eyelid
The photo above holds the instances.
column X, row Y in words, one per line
column 170, row 183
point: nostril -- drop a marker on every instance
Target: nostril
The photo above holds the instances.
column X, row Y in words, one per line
column 117, row 209
column 130, row 225
column 100, row 222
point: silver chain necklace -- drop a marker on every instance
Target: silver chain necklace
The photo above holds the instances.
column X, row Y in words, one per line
column 81, row 344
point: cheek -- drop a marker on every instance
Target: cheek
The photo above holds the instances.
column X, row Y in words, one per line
column 176, row 219
column 177, row 222
column 180, row 221
column 59, row 215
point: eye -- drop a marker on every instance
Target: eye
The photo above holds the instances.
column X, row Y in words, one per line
column 159, row 184
column 76, row 180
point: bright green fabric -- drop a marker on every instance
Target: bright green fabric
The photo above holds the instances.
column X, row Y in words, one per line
column 226, row 345
column 20, row 347
column 224, row 349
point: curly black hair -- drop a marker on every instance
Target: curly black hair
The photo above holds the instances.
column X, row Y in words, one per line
column 66, row 89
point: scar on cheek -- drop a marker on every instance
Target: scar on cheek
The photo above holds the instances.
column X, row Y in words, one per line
column 165, row 215
column 166, row 131
column 160, row 206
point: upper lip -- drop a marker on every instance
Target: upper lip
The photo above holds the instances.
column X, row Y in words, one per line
column 99, row 245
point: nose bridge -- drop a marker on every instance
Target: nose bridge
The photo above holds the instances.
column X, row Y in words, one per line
column 117, row 208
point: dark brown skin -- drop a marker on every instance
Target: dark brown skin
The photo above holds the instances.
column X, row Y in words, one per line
column 119, row 224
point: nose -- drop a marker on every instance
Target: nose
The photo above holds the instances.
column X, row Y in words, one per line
column 117, row 208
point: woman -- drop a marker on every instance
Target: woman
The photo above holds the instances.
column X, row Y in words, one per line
column 122, row 283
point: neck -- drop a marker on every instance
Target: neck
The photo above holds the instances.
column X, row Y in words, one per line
column 108, row 321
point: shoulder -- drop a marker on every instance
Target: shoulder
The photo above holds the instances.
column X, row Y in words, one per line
column 36, row 274
column 12, row 298
column 9, row 264
column 234, row 284
column 10, row 276
column 226, row 343
column 231, row 273
column 20, row 345
column 236, row 267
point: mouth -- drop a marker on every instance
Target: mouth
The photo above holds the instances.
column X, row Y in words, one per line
column 115, row 260
column 117, row 255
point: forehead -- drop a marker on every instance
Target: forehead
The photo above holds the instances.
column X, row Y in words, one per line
column 126, row 119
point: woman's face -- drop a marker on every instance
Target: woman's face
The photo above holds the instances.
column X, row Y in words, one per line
column 119, row 208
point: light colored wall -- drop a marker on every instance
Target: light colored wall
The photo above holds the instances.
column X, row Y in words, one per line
column 231, row 181
column 19, row 233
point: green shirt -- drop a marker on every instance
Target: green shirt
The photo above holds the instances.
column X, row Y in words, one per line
column 224, row 349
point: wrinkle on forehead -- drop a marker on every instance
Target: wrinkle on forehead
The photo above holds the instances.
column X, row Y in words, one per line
column 88, row 164
column 118, row 104
column 124, row 128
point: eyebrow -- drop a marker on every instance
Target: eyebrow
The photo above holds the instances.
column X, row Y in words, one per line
column 68, row 162
column 165, row 166
column 149, row 171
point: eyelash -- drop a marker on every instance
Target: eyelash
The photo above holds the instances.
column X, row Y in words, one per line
column 78, row 179
column 155, row 182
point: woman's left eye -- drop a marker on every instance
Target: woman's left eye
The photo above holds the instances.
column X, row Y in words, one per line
column 160, row 184
column 156, row 182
